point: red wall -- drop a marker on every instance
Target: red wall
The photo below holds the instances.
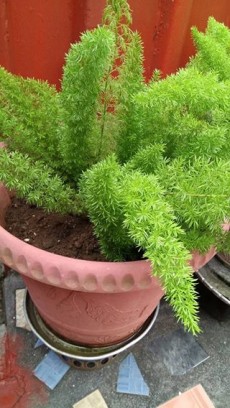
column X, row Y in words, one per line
column 36, row 34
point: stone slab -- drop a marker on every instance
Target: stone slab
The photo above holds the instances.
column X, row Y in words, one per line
column 179, row 351
column 93, row 400
column 20, row 314
column 196, row 397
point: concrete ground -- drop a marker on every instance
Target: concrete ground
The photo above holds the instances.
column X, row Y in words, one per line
column 213, row 373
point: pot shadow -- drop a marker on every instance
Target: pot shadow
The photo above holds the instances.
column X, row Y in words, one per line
column 211, row 304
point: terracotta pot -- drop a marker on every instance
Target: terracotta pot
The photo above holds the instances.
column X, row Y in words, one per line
column 88, row 302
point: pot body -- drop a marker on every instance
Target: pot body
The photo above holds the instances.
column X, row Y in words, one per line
column 91, row 318
column 87, row 302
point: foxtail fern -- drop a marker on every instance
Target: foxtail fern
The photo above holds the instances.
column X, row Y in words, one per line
column 29, row 117
column 131, row 81
column 199, row 193
column 151, row 224
column 117, row 16
column 127, row 76
column 187, row 111
column 37, row 183
column 129, row 208
column 86, row 64
column 148, row 162
column 220, row 32
column 100, row 189
column 213, row 49
column 148, row 159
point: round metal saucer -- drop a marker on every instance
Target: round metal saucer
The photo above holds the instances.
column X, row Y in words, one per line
column 215, row 276
column 79, row 356
column 224, row 258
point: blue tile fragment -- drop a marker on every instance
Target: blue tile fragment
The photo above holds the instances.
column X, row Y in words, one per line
column 130, row 380
column 179, row 351
column 51, row 370
column 39, row 343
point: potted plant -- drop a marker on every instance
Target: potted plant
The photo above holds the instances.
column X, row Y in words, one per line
column 146, row 162
column 213, row 55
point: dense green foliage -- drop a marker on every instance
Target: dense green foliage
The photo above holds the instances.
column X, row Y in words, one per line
column 102, row 194
column 213, row 49
column 213, row 56
column 198, row 193
column 149, row 163
column 163, row 214
column 188, row 112
column 29, row 116
column 131, row 81
column 87, row 63
column 42, row 185
column 133, row 210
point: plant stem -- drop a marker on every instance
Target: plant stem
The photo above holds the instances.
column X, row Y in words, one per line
column 105, row 107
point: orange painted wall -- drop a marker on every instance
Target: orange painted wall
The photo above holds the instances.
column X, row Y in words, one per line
column 35, row 35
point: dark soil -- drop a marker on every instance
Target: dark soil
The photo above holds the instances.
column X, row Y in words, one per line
column 66, row 235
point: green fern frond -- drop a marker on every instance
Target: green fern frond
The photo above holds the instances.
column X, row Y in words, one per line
column 37, row 183
column 101, row 192
column 129, row 210
column 29, row 116
column 213, row 49
column 86, row 64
